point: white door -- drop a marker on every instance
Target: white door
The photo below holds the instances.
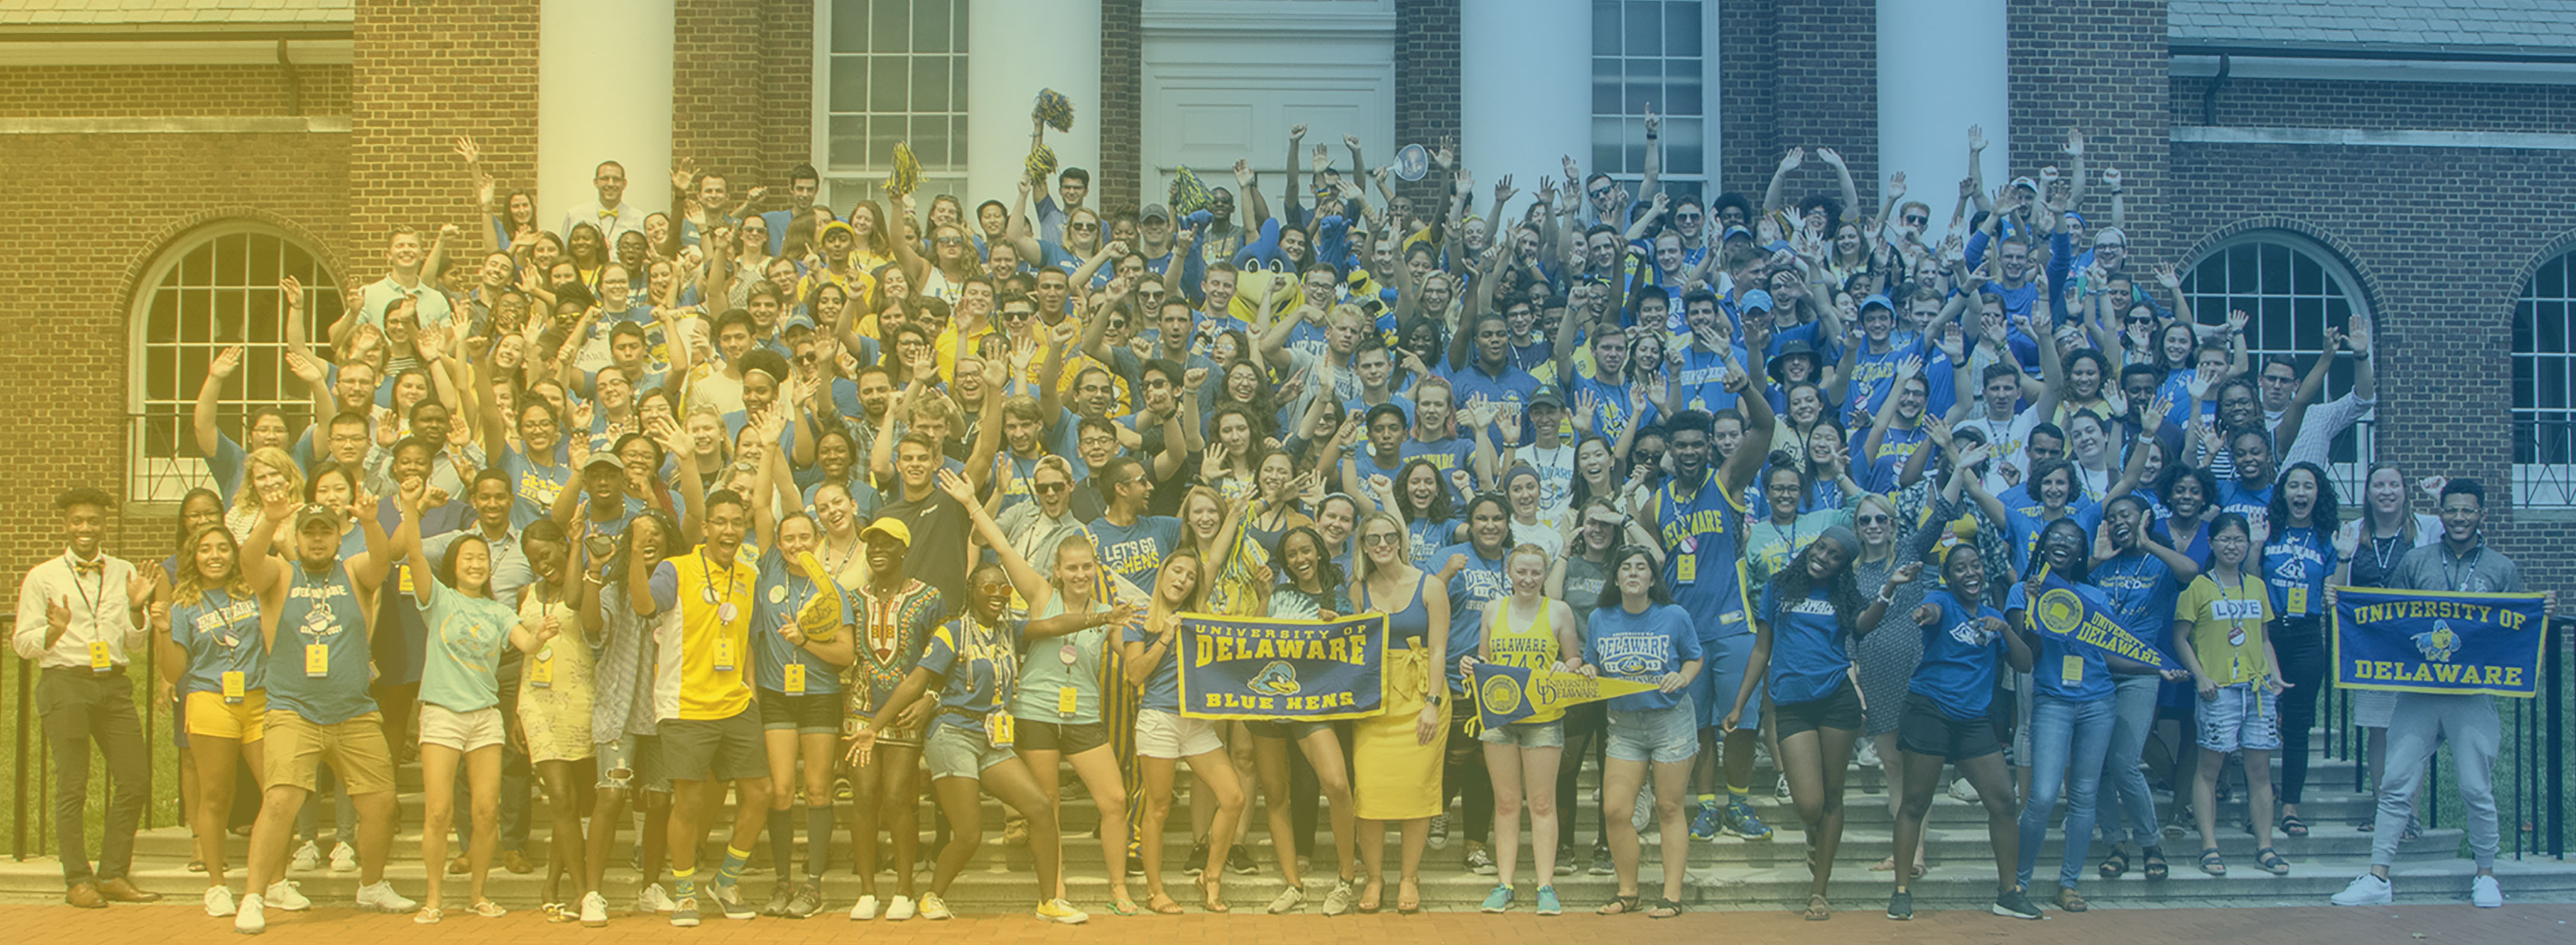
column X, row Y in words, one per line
column 1224, row 79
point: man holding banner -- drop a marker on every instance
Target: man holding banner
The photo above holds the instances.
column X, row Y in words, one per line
column 2468, row 633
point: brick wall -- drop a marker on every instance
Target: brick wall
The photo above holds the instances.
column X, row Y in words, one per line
column 168, row 90
column 2443, row 305
column 2296, row 103
column 787, row 110
column 2100, row 67
column 1117, row 181
column 718, row 64
column 426, row 73
column 1427, row 109
column 1826, row 94
column 1748, row 115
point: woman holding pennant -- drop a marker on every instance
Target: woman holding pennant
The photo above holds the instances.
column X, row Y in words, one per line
column 1526, row 630
column 1310, row 588
column 973, row 660
column 1064, row 649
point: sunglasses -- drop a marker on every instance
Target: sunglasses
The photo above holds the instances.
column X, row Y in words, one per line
column 950, row 240
column 1082, row 226
column 1382, row 538
column 1871, row 520
column 1918, row 221
column 1051, row 488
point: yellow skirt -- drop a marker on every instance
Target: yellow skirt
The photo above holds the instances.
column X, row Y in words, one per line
column 1394, row 775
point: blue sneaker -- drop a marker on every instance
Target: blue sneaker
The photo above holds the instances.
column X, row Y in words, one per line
column 684, row 914
column 1547, row 902
column 1498, row 900
column 1704, row 823
column 1741, row 821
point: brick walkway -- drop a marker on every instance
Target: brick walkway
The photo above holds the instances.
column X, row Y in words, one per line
column 2402, row 925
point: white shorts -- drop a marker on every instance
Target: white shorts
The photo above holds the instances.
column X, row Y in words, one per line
column 463, row 731
column 1161, row 734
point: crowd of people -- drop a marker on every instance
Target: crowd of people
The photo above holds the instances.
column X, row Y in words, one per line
column 773, row 503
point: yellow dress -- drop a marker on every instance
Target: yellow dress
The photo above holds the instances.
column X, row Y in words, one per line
column 1393, row 775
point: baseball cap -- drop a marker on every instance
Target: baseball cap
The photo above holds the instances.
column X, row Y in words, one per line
column 1734, row 232
column 1879, row 300
column 2026, row 184
column 1153, row 210
column 608, row 458
column 1549, row 395
column 1756, row 299
column 2110, row 236
column 315, row 512
column 890, row 527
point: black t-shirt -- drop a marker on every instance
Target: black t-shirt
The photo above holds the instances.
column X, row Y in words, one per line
column 940, row 529
column 1168, row 493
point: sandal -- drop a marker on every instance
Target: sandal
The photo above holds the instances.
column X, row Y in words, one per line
column 489, row 909
column 1372, row 896
column 1408, row 897
column 2156, row 867
column 2211, row 863
column 1124, row 907
column 2271, row 862
column 427, row 915
column 196, row 866
column 1887, row 865
column 1818, row 909
column 1162, row 904
column 2115, row 864
column 1211, row 895
column 2414, row 830
column 1664, row 909
column 1619, row 905
column 2292, row 826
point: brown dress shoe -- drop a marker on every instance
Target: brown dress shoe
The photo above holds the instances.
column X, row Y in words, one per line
column 459, row 866
column 517, row 862
column 85, row 895
column 119, row 890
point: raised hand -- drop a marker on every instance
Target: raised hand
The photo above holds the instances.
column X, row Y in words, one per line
column 1832, row 158
column 1896, row 185
column 2111, row 177
column 2074, row 142
column 2168, row 276
column 2237, row 320
column 1791, row 160
column 959, row 489
column 2358, row 338
column 1242, row 173
column 467, row 149
column 1976, row 138
column 1296, row 132
column 225, row 363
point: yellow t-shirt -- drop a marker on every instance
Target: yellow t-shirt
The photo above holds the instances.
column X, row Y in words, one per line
column 2227, row 627
column 715, row 652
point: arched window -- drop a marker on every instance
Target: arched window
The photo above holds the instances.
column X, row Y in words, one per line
column 2544, row 452
column 2290, row 288
column 212, row 288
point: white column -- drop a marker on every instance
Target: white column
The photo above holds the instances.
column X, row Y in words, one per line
column 1525, row 88
column 603, row 94
column 1940, row 69
column 1015, row 48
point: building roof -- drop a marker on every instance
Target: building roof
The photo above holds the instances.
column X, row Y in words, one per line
column 165, row 15
column 2428, row 27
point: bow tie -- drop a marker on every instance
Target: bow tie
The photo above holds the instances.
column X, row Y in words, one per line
column 89, row 567
column 608, row 214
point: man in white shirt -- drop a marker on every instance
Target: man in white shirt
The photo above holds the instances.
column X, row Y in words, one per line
column 609, row 213
column 406, row 259
column 76, row 623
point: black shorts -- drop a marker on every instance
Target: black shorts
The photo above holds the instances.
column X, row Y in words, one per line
column 1069, row 738
column 726, row 749
column 814, row 713
column 1926, row 730
column 1290, row 729
column 1840, row 710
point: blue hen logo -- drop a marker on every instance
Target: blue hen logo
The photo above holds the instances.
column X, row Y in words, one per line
column 1276, row 679
column 2438, row 643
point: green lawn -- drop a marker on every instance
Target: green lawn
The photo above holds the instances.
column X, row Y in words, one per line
column 161, row 812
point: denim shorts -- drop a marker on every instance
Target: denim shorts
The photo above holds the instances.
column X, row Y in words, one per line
column 954, row 751
column 1526, row 735
column 1659, row 735
column 632, row 762
column 2245, row 715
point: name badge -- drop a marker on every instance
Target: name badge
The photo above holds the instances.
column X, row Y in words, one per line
column 2070, row 670
column 541, row 671
column 403, row 578
column 1686, row 567
column 1066, row 698
column 997, row 728
column 795, row 685
column 317, row 660
column 234, row 686
column 724, row 655
column 100, row 660
column 2299, row 600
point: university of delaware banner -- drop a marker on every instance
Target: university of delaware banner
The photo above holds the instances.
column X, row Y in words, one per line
column 1262, row 668
column 1508, row 694
column 2079, row 614
column 2436, row 641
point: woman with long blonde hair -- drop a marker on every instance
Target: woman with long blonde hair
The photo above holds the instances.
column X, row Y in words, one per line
column 270, row 474
column 1397, row 754
column 1164, row 736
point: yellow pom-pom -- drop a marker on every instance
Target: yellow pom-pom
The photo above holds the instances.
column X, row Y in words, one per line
column 1054, row 109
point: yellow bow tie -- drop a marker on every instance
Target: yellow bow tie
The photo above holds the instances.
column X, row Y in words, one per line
column 89, row 567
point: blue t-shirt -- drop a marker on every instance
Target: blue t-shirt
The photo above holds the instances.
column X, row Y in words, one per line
column 533, row 486
column 1136, row 552
column 2296, row 562
column 2253, row 503
column 1480, row 581
column 2071, row 672
column 221, row 635
column 1700, row 383
column 1641, row 648
column 1894, row 447
column 1874, row 372
column 1612, row 408
column 1959, row 657
column 225, row 464
column 1808, row 658
column 976, row 665
column 1072, row 661
column 1449, row 455
column 2142, row 590
column 466, row 637
column 1163, row 681
column 781, row 596
column 1513, row 389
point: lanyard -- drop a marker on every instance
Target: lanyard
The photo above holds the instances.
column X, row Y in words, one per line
column 710, row 567
column 88, row 601
column 2451, row 575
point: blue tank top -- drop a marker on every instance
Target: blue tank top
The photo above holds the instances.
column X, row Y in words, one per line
column 221, row 635
column 1703, row 533
column 781, row 596
column 1958, row 668
column 1808, row 659
column 320, row 611
column 1411, row 626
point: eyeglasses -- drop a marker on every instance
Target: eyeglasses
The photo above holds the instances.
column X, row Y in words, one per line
column 1382, row 538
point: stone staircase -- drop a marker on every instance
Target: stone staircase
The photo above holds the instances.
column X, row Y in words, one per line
column 1724, row 873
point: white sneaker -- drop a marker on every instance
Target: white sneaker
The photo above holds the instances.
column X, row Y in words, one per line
column 864, row 910
column 1867, row 756
column 899, row 909
column 344, row 858
column 654, row 899
column 283, row 895
column 305, row 857
column 1963, row 792
column 381, row 897
column 249, row 919
column 2369, row 890
column 2486, row 893
column 933, row 907
column 1782, row 792
column 219, row 902
column 594, row 909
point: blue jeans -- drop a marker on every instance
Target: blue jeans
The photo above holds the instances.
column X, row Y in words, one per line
column 2133, row 810
column 2067, row 742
